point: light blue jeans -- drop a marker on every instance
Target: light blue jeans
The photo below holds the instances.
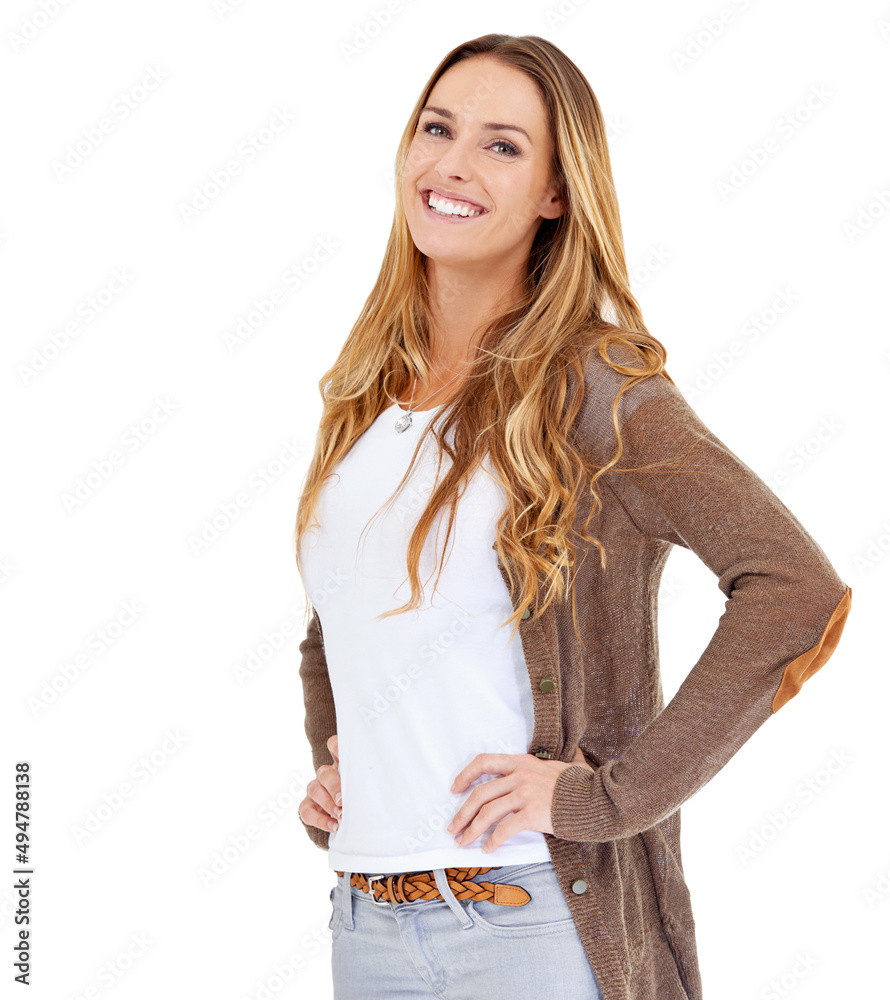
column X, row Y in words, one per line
column 460, row 949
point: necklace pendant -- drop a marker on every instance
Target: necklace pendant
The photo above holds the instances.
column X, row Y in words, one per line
column 404, row 422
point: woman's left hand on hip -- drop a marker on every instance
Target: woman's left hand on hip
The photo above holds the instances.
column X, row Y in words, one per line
column 523, row 794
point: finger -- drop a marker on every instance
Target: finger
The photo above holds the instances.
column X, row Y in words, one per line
column 485, row 763
column 504, row 831
column 332, row 779
column 333, row 746
column 481, row 795
column 313, row 815
column 492, row 814
column 324, row 789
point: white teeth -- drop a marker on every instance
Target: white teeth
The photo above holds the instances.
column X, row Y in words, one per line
column 443, row 207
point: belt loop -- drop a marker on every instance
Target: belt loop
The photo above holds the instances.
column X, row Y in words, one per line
column 348, row 916
column 448, row 895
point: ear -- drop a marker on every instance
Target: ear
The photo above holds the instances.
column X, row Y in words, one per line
column 552, row 205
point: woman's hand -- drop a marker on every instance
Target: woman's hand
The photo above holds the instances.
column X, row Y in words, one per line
column 525, row 790
column 321, row 807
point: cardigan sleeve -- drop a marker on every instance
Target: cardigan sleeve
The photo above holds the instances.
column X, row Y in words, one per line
column 784, row 615
column 318, row 702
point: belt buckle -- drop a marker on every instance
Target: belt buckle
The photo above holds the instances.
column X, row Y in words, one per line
column 378, row 902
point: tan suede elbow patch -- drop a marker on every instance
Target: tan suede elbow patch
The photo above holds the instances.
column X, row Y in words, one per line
column 802, row 667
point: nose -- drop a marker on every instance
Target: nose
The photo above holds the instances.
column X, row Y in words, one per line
column 454, row 163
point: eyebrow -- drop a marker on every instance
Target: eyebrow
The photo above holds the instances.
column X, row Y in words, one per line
column 490, row 126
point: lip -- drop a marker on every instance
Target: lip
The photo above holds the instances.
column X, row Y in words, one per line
column 447, row 194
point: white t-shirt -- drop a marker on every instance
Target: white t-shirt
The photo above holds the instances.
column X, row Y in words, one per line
column 419, row 694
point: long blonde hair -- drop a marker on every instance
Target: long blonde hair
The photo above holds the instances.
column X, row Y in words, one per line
column 515, row 404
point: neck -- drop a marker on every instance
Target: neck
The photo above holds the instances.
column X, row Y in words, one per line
column 463, row 300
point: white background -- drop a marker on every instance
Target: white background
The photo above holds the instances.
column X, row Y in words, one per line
column 704, row 263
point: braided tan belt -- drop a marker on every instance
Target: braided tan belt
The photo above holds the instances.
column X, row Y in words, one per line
column 410, row 886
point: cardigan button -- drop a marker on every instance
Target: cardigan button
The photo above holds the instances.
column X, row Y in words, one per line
column 546, row 684
column 526, row 614
column 543, row 754
column 579, row 886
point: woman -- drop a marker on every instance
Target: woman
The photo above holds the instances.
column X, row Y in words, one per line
column 484, row 378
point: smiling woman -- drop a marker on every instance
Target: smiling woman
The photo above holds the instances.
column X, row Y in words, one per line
column 510, row 722
column 462, row 167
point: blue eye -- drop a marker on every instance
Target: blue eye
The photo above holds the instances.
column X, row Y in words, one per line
column 509, row 149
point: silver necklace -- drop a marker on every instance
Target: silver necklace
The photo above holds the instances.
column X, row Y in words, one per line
column 406, row 420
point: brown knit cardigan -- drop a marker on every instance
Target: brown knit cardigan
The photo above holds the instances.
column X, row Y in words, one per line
column 616, row 841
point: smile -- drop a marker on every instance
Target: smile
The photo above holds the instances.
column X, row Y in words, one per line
column 450, row 209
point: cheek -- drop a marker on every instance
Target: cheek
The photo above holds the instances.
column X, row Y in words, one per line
column 517, row 201
column 409, row 189
column 417, row 160
column 411, row 181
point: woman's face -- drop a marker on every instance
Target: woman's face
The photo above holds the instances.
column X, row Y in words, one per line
column 483, row 144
